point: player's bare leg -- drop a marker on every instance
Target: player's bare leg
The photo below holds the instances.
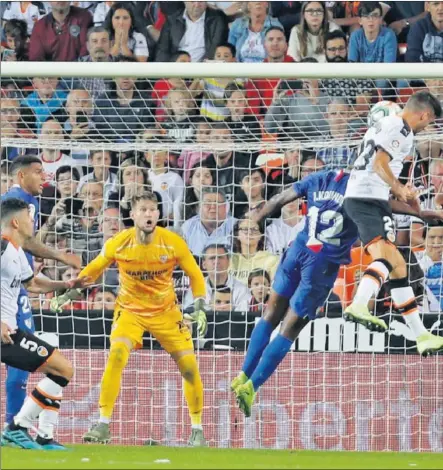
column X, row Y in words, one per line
column 261, row 335
column 401, row 292
column 271, row 358
column 193, row 391
column 45, row 398
column 110, row 388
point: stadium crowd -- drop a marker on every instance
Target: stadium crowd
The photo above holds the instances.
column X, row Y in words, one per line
column 202, row 138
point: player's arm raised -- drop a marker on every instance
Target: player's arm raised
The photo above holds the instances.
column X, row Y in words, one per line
column 38, row 249
column 273, row 205
column 91, row 273
column 190, row 267
column 413, row 208
column 383, row 170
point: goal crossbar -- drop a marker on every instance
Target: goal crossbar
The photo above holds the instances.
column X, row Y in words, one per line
column 215, row 69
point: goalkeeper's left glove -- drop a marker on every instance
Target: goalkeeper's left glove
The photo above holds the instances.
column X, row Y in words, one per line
column 59, row 301
column 199, row 316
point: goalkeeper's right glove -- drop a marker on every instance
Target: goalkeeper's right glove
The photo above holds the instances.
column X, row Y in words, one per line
column 59, row 301
column 199, row 316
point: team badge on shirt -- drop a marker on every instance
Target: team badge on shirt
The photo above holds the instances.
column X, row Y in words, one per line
column 163, row 258
column 74, row 30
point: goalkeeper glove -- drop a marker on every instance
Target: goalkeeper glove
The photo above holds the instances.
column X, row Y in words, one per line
column 59, row 301
column 199, row 316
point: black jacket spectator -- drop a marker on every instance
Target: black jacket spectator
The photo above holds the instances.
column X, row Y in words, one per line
column 117, row 122
column 425, row 42
column 216, row 32
column 248, row 129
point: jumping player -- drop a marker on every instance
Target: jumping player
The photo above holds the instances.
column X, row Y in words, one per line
column 22, row 349
column 146, row 256
column 305, row 276
column 374, row 177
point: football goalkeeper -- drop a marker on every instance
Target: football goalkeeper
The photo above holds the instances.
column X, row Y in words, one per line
column 146, row 256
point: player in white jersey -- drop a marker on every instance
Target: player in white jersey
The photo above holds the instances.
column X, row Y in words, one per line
column 373, row 180
column 22, row 349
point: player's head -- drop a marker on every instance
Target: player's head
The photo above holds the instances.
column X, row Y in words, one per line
column 15, row 217
column 27, row 172
column 422, row 109
column 145, row 212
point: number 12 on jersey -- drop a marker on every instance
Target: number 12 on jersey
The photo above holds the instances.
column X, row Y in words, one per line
column 327, row 235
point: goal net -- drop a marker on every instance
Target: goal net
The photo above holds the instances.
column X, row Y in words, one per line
column 213, row 149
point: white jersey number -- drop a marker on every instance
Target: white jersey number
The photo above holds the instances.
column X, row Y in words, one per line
column 327, row 235
column 366, row 152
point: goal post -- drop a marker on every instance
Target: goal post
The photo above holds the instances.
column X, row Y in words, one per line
column 341, row 387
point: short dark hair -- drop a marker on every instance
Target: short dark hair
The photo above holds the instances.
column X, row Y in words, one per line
column 275, row 28
column 215, row 246
column 425, row 100
column 96, row 29
column 366, row 8
column 337, row 34
column 211, row 190
column 179, row 53
column 75, row 175
column 258, row 273
column 10, row 207
column 16, row 28
column 145, row 196
column 220, row 125
column 223, row 290
column 232, row 87
column 23, row 162
column 229, row 46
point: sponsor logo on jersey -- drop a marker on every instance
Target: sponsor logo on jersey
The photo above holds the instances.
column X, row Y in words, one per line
column 164, row 186
column 163, row 258
column 146, row 275
column 396, row 144
column 15, row 283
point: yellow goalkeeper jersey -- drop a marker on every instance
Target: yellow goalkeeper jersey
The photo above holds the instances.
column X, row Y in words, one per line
column 145, row 271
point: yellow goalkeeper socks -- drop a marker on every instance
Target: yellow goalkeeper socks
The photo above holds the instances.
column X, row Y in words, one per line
column 193, row 387
column 112, row 377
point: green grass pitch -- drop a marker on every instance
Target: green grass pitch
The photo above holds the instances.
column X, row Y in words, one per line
column 117, row 457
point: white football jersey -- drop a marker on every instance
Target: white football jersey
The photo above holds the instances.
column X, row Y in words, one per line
column 392, row 135
column 15, row 269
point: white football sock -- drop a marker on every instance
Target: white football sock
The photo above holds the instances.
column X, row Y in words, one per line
column 373, row 278
column 404, row 300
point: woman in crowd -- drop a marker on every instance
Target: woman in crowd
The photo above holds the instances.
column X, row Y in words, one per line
column 248, row 251
column 167, row 183
column 247, row 33
column 126, row 41
column 259, row 283
column 307, row 38
column 252, row 193
column 201, row 175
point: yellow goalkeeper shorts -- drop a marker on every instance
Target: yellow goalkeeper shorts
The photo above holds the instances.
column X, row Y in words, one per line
column 168, row 329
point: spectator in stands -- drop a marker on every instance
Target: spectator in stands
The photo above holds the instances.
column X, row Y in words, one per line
column 79, row 109
column 336, row 154
column 123, row 112
column 373, row 42
column 403, row 15
column 103, row 299
column 9, row 119
column 198, row 30
column 215, row 264
column 310, row 163
column 247, row 34
column 244, row 127
column 276, row 48
column 67, row 180
column 252, row 193
column 259, row 283
column 42, row 103
column 126, row 41
column 167, row 183
column 60, row 35
column 213, row 104
column 100, row 161
column 6, row 179
column 202, row 175
column 425, row 38
column 180, row 124
column 17, row 41
column 288, row 13
column 92, row 195
column 221, row 300
column 213, row 225
column 307, row 38
column 53, row 158
column 227, row 162
column 282, row 231
column 298, row 113
column 248, row 251
column 28, row 12
column 164, row 85
column 189, row 158
column 101, row 12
